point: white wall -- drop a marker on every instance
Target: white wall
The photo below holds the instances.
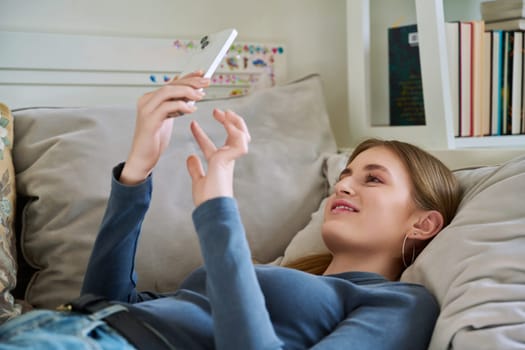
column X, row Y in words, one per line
column 384, row 15
column 314, row 31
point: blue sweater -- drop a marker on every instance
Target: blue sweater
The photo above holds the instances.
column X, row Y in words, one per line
column 231, row 304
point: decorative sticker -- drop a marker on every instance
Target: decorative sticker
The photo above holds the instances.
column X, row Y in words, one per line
column 246, row 66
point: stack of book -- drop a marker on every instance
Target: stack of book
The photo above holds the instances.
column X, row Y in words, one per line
column 504, row 14
column 487, row 75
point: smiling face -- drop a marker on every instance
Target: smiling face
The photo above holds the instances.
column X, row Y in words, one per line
column 372, row 207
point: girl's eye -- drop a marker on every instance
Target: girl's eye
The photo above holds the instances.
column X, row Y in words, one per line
column 343, row 174
column 374, row 179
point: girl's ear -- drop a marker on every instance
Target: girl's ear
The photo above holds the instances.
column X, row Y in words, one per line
column 428, row 225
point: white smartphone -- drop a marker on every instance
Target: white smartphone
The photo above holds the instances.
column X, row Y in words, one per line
column 209, row 54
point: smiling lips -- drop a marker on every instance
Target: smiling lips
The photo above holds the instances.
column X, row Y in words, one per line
column 341, row 206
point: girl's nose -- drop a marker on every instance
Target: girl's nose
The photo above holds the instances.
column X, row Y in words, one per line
column 345, row 186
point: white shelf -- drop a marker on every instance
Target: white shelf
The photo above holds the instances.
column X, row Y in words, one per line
column 438, row 131
column 434, row 68
column 490, row 141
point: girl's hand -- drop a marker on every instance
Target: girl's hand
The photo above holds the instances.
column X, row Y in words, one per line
column 218, row 182
column 154, row 123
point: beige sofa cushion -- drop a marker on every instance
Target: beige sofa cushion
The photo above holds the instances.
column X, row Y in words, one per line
column 476, row 266
column 64, row 157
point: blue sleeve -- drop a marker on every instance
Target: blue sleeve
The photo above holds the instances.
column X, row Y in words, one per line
column 404, row 318
column 110, row 271
column 240, row 317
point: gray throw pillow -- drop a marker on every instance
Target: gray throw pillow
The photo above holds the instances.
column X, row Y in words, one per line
column 475, row 267
column 63, row 159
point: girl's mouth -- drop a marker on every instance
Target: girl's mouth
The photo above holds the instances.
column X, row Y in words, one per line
column 343, row 206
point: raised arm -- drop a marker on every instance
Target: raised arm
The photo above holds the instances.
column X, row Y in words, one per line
column 154, row 124
column 110, row 271
column 240, row 317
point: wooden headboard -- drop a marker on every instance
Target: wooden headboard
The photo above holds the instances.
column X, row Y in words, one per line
column 49, row 69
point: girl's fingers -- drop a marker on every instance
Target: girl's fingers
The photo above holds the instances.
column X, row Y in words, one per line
column 195, row 168
column 205, row 143
column 198, row 73
column 237, row 140
column 194, row 81
column 230, row 118
column 239, row 123
column 219, row 115
column 170, row 93
column 173, row 109
column 144, row 99
column 188, row 87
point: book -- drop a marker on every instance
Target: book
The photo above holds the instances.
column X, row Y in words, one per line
column 502, row 10
column 465, row 78
column 506, row 91
column 511, row 24
column 514, row 126
column 522, row 117
column 405, row 84
column 478, row 28
column 452, row 33
column 497, row 82
column 486, row 85
column 487, row 79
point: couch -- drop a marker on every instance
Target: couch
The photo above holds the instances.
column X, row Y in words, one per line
column 58, row 163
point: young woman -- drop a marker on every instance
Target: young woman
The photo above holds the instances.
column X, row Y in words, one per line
column 390, row 200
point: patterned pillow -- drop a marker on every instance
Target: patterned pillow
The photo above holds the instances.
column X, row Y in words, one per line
column 8, row 309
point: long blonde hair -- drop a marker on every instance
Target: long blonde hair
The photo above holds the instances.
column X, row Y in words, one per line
column 434, row 187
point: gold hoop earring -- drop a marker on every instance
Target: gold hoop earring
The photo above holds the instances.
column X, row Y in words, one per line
column 403, row 252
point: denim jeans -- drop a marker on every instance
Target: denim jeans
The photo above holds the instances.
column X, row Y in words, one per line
column 46, row 329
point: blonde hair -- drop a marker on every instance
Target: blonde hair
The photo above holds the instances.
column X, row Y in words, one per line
column 434, row 187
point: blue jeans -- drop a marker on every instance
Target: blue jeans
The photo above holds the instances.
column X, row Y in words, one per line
column 46, row 329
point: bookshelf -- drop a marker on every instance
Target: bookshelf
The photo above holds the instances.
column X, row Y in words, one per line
column 438, row 133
